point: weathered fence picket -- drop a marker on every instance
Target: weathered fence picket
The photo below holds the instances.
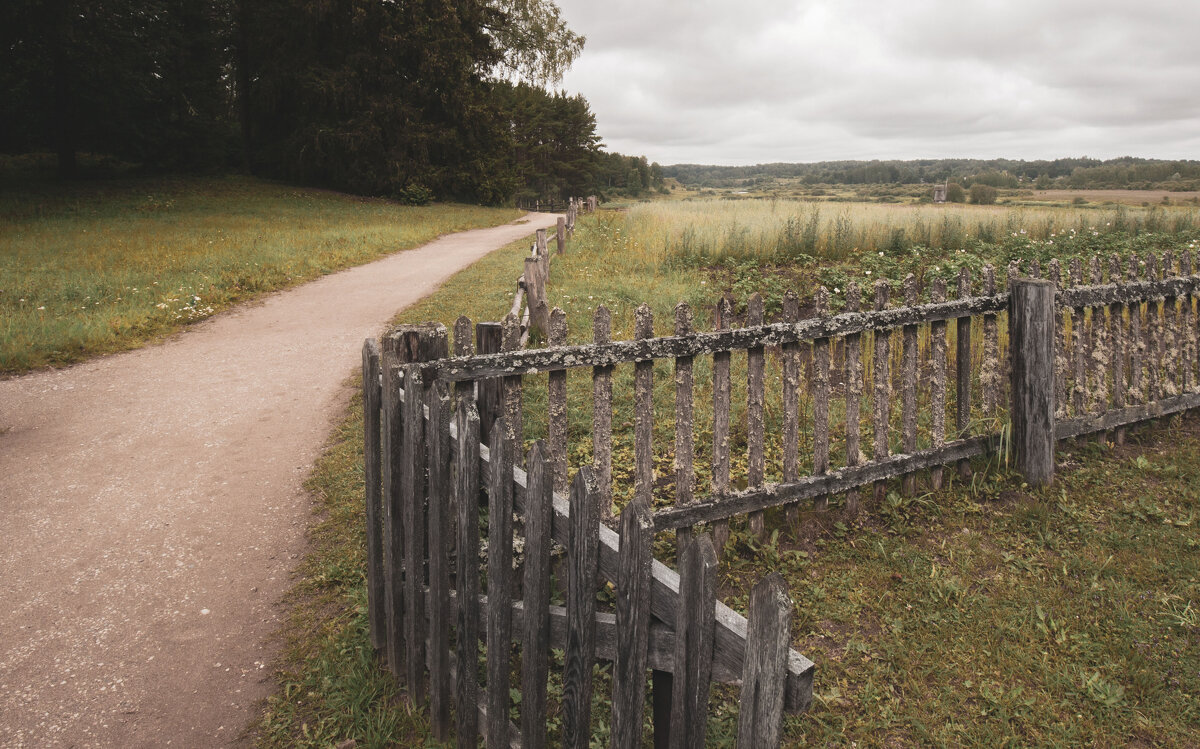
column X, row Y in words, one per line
column 685, row 436
column 602, row 413
column 412, row 495
column 989, row 377
column 760, row 717
column 937, row 380
column 854, row 390
column 693, row 643
column 790, row 353
column 466, row 578
column 908, row 386
column 721, row 395
column 582, row 564
column 755, row 402
column 1120, row 345
column 535, row 648
column 556, row 404
column 881, row 393
column 820, row 388
column 437, row 444
column 633, row 624
column 962, row 372
column 499, row 588
column 643, row 412
column 373, row 494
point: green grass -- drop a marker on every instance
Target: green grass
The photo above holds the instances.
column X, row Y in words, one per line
column 982, row 615
column 100, row 267
column 987, row 615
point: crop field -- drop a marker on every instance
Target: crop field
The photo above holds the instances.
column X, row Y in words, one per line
column 981, row 614
column 105, row 267
column 1127, row 197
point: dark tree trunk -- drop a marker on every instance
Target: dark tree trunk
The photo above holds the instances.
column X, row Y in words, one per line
column 242, row 66
column 63, row 113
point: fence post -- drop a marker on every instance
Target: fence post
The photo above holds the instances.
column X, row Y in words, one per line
column 372, row 457
column 1031, row 336
column 764, row 673
column 560, row 234
column 535, row 294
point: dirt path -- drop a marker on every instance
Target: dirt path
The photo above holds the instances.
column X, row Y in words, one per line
column 152, row 508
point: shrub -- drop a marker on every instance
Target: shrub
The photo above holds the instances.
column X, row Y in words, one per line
column 415, row 194
column 982, row 194
column 955, row 193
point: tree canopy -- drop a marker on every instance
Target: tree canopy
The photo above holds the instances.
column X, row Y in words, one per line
column 409, row 98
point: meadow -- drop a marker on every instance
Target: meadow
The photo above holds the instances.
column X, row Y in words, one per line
column 106, row 266
column 981, row 614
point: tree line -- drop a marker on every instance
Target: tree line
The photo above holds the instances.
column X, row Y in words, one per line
column 1079, row 173
column 446, row 99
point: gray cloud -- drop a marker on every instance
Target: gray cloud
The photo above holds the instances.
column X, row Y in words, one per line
column 799, row 80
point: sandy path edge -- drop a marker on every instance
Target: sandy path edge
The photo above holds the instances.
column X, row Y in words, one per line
column 153, row 507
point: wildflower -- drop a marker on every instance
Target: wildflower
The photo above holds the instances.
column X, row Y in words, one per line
column 881, row 254
column 868, row 273
column 836, row 290
column 42, row 307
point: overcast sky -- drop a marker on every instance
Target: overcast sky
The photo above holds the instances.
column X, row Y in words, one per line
column 750, row 81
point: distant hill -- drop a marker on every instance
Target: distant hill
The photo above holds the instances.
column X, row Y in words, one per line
column 1126, row 172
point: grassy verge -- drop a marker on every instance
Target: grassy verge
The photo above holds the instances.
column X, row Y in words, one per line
column 331, row 688
column 980, row 615
column 101, row 267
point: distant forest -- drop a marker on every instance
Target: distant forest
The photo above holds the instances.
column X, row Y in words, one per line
column 439, row 99
column 1125, row 173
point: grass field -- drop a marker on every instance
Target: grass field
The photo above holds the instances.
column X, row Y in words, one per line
column 982, row 615
column 105, row 266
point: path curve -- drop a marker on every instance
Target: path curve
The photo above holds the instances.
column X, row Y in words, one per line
column 151, row 508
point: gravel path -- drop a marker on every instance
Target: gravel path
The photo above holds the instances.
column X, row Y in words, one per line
column 152, row 508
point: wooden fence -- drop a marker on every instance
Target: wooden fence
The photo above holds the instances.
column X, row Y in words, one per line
column 530, row 305
column 1125, row 351
column 1085, row 359
column 425, row 463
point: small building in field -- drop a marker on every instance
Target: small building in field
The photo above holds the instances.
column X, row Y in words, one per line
column 939, row 193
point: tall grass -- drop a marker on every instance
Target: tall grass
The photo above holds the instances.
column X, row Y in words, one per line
column 107, row 266
column 703, row 231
